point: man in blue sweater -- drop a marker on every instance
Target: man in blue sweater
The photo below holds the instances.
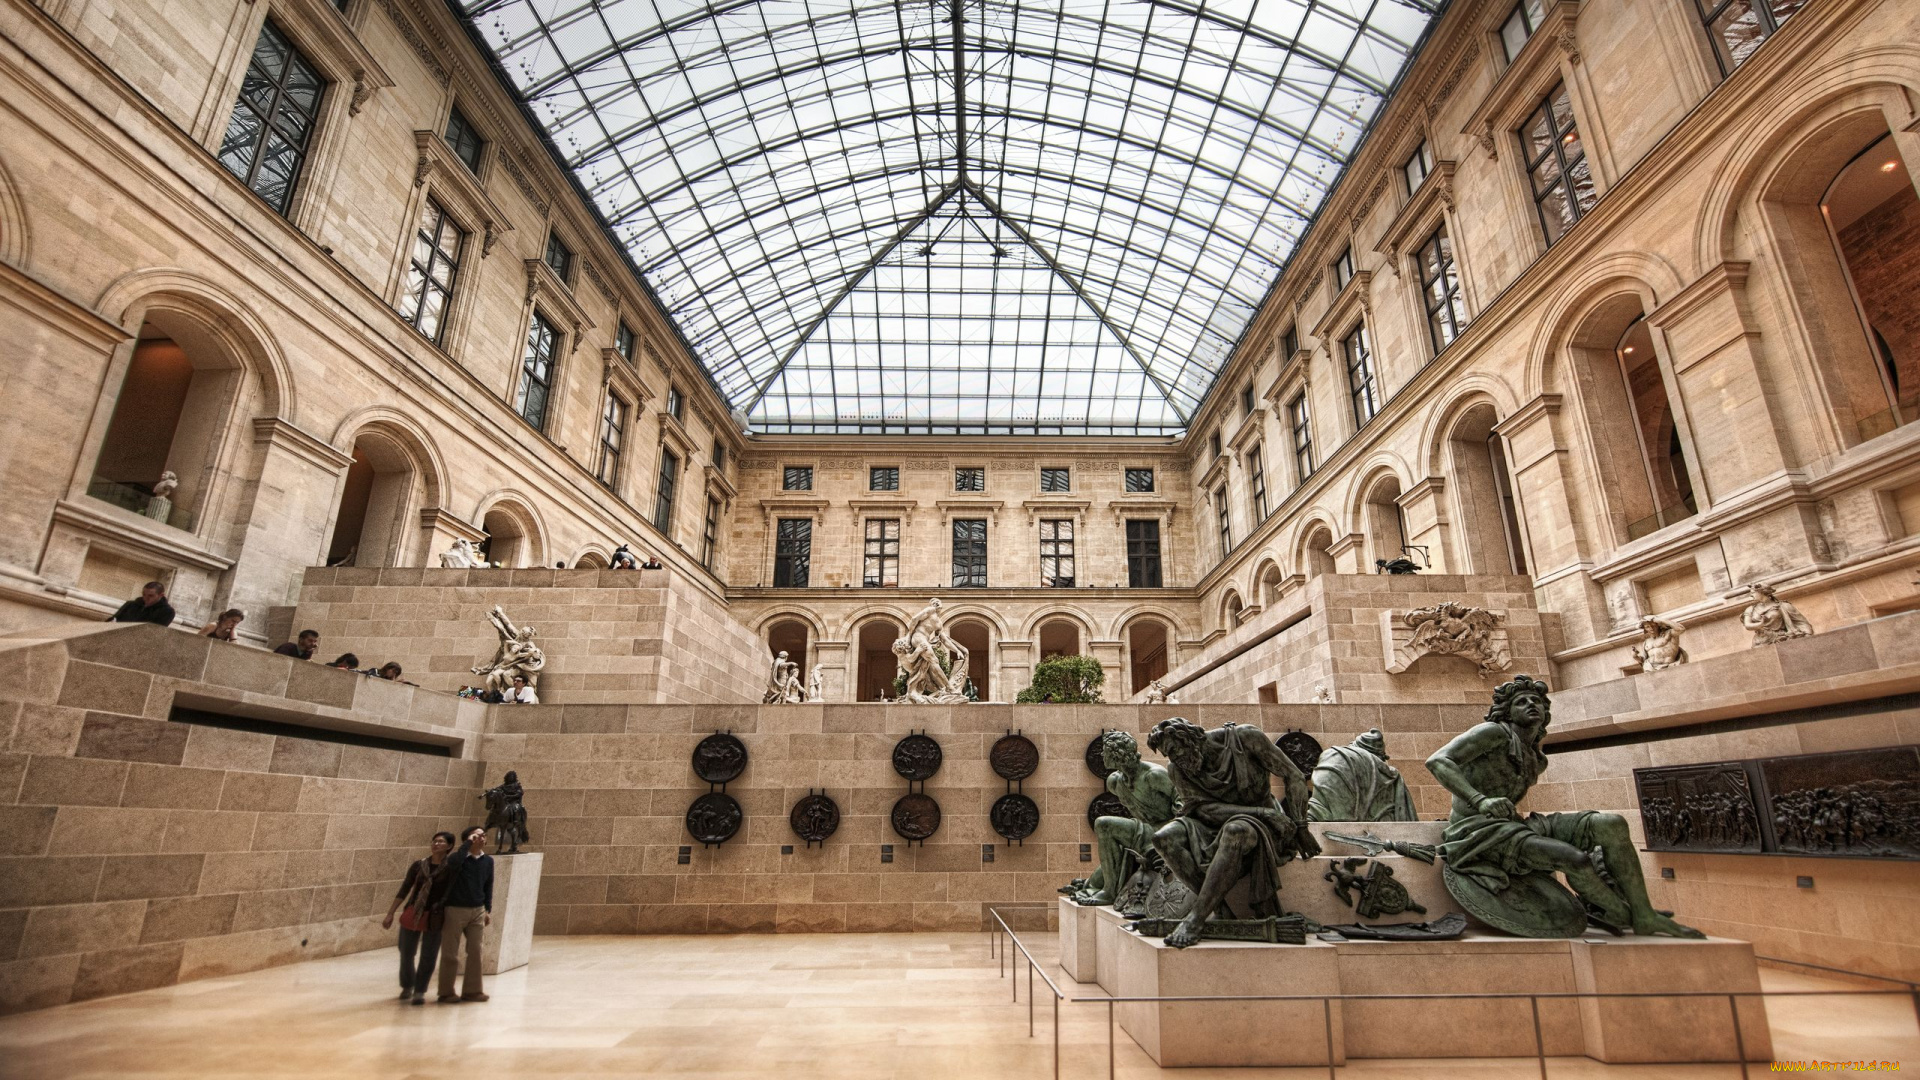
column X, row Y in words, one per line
column 467, row 909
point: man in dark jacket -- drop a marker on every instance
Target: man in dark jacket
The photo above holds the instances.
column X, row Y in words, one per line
column 304, row 649
column 150, row 606
column 468, row 909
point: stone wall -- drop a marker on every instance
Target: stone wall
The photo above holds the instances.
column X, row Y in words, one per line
column 610, row 635
column 137, row 852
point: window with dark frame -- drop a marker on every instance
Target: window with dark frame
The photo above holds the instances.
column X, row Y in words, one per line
column 273, row 121
column 623, row 342
column 792, row 552
column 1361, row 384
column 437, row 247
column 1056, row 480
column 1418, row 167
column 536, row 372
column 1556, row 164
column 613, row 430
column 1213, row 444
column 1246, row 400
column 882, row 558
column 663, row 493
column 1139, row 481
column 1520, row 25
column 1737, row 27
column 970, row 478
column 883, row 478
column 1143, row 554
column 559, row 257
column 1257, row 483
column 1056, row 553
column 710, row 533
column 1226, row 520
column 1440, row 290
column 797, row 478
column 1289, row 343
column 1343, row 269
column 676, row 403
column 463, row 140
column 970, row 553
column 1302, row 426
column 719, row 455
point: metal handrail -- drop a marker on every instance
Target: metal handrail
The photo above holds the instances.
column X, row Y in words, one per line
column 1001, row 931
column 1908, row 983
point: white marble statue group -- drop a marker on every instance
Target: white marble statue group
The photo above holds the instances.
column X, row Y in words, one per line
column 783, row 683
column 517, row 656
column 463, row 555
column 934, row 665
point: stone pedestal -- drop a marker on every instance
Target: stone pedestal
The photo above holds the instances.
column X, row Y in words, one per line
column 1226, row 1034
column 1078, row 952
column 508, row 940
column 1305, row 889
column 1109, row 926
column 1670, row 1029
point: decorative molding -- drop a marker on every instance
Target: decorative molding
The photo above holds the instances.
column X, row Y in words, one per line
column 416, row 42
column 933, row 465
column 518, row 172
column 1527, row 78
column 718, row 486
column 952, row 508
column 1421, row 214
column 1055, row 505
column 900, row 508
column 274, row 431
column 1365, row 206
column 1251, row 428
column 1354, row 303
column 435, row 519
column 599, row 283
column 53, row 309
column 840, row 464
column 458, row 185
column 542, row 282
column 1438, row 97
column 136, row 536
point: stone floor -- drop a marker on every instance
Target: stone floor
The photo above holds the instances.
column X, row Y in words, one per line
column 792, row 1006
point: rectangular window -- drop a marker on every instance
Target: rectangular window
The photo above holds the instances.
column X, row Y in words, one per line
column 1737, row 27
column 1257, row 484
column 1056, row 553
column 1056, row 480
column 885, row 478
column 970, row 553
column 719, row 455
column 623, row 342
column 1139, row 480
column 463, row 140
column 1143, row 554
column 792, row 552
column 1246, row 400
column 797, row 478
column 1343, row 269
column 970, row 478
column 559, row 257
column 710, row 534
column 613, row 431
column 676, row 403
column 267, row 135
column 1556, row 165
column 1226, row 520
column 1440, row 290
column 1213, row 443
column 1418, row 166
column 437, row 245
column 663, row 495
column 1520, row 25
column 1302, row 435
column 1289, row 343
column 1360, row 380
column 536, row 372
column 882, row 567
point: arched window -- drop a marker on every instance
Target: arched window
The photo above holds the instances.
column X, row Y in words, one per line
column 173, row 407
column 1146, row 653
column 511, row 537
column 1386, row 524
column 1318, row 556
column 1270, row 585
column 1488, row 524
column 369, row 527
column 1230, row 611
column 1640, row 457
column 877, row 663
column 1059, row 637
column 975, row 637
column 1873, row 217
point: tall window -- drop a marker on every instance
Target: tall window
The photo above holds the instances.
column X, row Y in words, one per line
column 676, row 403
column 559, row 257
column 1226, row 520
column 1557, row 165
column 1361, row 384
column 536, row 372
column 1302, row 425
column 882, row 567
column 267, row 134
column 970, row 478
column 1520, row 25
column 1737, row 27
column 1056, row 553
column 1440, row 290
column 1343, row 269
column 436, row 259
column 1143, row 554
column 1056, row 480
column 1418, row 167
column 1257, row 483
column 613, row 431
column 719, row 455
column 797, row 478
column 1246, row 400
column 663, row 493
column 623, row 342
column 1213, row 444
column 1139, row 480
column 463, row 140
column 1289, row 343
column 970, row 553
column 710, row 533
column 792, row 552
column 884, row 479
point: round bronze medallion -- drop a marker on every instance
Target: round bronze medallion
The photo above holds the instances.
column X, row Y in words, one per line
column 714, row 818
column 720, row 757
column 916, row 816
column 1014, row 757
column 1302, row 748
column 814, row 818
column 917, row 757
column 1014, row 816
column 1096, row 760
column 1105, row 804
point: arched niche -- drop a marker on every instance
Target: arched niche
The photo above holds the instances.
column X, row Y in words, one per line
column 1384, row 521
column 377, row 499
column 590, row 560
column 1230, row 609
column 1149, row 646
column 791, row 636
column 873, row 643
column 512, row 536
column 1059, row 636
column 1640, row 456
column 1316, row 555
column 975, row 636
column 1267, row 583
column 1487, row 520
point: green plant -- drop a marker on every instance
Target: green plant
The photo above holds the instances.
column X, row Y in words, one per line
column 1065, row 680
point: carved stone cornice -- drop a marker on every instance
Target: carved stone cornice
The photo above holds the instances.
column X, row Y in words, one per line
column 436, row 519
column 325, row 35
column 900, row 508
column 415, row 41
column 274, row 431
column 546, row 288
column 1529, row 77
column 457, row 186
column 1354, row 303
column 1422, row 213
column 1250, row 431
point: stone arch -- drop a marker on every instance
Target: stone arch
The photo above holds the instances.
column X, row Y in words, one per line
column 1231, row 605
column 1466, row 392
column 870, row 636
column 16, row 242
column 406, row 431
column 509, row 515
column 1378, row 464
column 591, row 557
column 1652, row 278
column 1486, row 536
column 1316, row 534
column 1146, row 647
column 1264, row 586
column 1079, row 615
column 849, row 624
column 133, row 297
column 1184, row 624
column 816, row 626
column 977, row 632
column 966, row 610
column 394, row 474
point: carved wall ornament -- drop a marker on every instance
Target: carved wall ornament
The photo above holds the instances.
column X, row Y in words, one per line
column 1659, row 646
column 516, row 657
column 916, row 816
column 1569, row 44
column 1446, row 629
column 416, row 42
column 518, row 173
column 361, row 92
column 1772, row 619
column 1014, row 816
column 917, row 757
column 599, row 283
column 714, row 818
column 1014, row 757
column 1862, row 804
column 720, row 758
column 933, row 466
column 815, row 817
column 1699, row 808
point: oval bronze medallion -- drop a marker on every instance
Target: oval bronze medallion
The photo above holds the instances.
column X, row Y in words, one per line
column 714, row 818
column 1105, row 804
column 720, row 757
column 1300, row 747
column 814, row 818
column 1096, row 760
column 916, row 816
column 1014, row 757
column 1014, row 816
column 917, row 757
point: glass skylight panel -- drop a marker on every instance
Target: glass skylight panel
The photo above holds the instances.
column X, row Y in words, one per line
column 1127, row 180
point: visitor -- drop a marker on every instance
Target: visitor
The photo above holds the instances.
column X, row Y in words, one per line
column 651, row 564
column 522, row 694
column 346, row 661
column 304, row 649
column 419, row 931
column 389, row 671
column 623, row 559
column 150, row 606
column 466, row 908
column 222, row 629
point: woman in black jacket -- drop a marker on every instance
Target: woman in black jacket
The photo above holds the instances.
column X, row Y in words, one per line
column 419, row 924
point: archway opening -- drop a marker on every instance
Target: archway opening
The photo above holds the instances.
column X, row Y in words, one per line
column 369, row 525
column 1270, row 579
column 1386, row 522
column 1146, row 653
column 1640, row 457
column 790, row 636
column 508, row 542
column 1489, row 523
column 1873, row 218
column 1319, row 556
column 976, row 638
column 877, row 663
column 592, row 560
column 172, row 408
column 1059, row 637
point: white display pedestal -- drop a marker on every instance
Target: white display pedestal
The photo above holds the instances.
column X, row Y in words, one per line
column 1078, row 951
column 508, row 940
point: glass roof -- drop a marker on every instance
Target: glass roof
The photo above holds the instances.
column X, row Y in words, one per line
column 962, row 215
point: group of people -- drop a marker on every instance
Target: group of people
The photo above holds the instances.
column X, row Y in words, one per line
column 624, row 559
column 520, row 693
column 152, row 606
column 445, row 898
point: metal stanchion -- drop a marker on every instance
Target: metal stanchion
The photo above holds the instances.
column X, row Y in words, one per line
column 1539, row 1042
column 1056, row 1037
column 1109, row 1039
column 1739, row 1040
column 1326, row 1014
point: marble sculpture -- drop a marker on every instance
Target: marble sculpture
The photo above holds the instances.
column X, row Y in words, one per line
column 1659, row 646
column 1772, row 619
column 516, row 656
column 934, row 664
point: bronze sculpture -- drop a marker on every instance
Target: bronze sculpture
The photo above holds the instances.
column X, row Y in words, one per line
column 1355, row 783
column 1146, row 793
column 506, row 816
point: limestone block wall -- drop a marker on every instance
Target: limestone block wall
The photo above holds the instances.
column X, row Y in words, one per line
column 609, row 636
column 137, row 852
column 608, row 789
column 1328, row 633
